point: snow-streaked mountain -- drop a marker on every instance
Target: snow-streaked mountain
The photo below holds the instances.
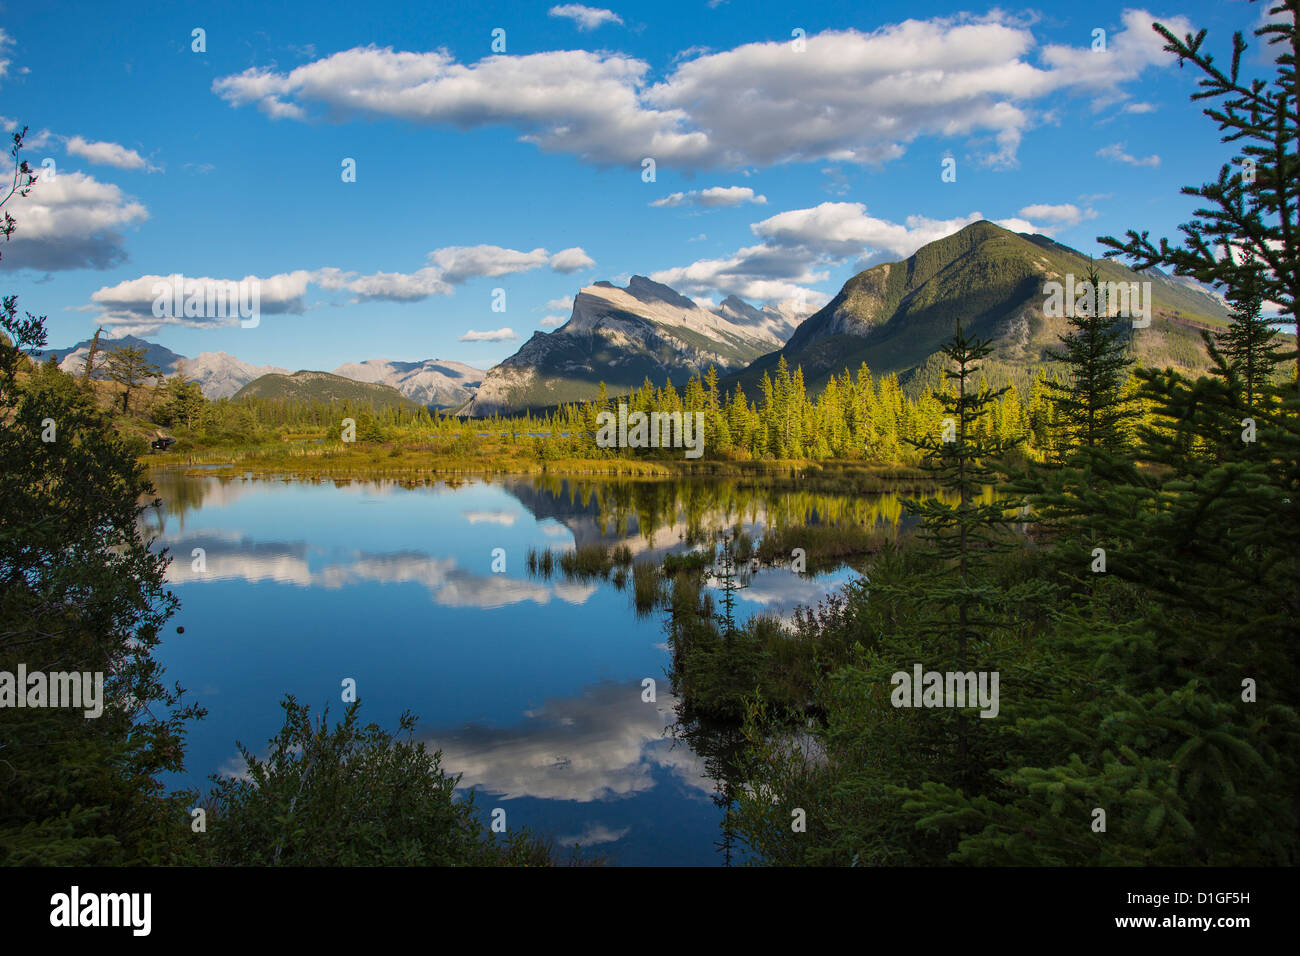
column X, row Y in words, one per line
column 433, row 382
column 621, row 337
column 777, row 321
column 221, row 375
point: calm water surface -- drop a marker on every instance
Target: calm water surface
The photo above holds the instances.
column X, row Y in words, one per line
column 531, row 688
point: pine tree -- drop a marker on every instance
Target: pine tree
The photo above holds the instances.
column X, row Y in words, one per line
column 1246, row 353
column 126, row 365
column 1090, row 403
column 964, row 533
column 1242, row 238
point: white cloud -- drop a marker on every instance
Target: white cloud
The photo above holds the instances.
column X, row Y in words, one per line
column 571, row 260
column 1060, row 216
column 496, row 335
column 842, row 229
column 71, row 221
column 5, row 41
column 397, row 286
column 130, row 303
column 461, row 263
column 729, row 196
column 850, row 97
column 108, row 154
column 586, row 18
column 565, row 101
column 1117, row 152
column 128, row 306
column 712, row 197
column 799, row 244
column 601, row 744
column 1129, row 51
column 562, row 304
column 758, row 273
column 552, row 321
column 452, row 266
column 506, row 518
column 1140, row 107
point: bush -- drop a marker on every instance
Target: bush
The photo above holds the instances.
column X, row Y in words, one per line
column 353, row 795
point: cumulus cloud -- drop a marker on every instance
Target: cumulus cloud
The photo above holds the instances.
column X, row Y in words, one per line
column 1117, row 152
column 1056, row 217
column 496, row 335
column 128, row 307
column 552, row 321
column 601, row 744
column 394, row 286
column 799, row 245
column 563, row 101
column 838, row 230
column 107, row 154
column 712, row 197
column 453, row 265
column 461, row 263
column 238, row 557
column 851, row 96
column 129, row 304
column 71, row 221
column 1129, row 51
column 759, row 273
column 585, row 18
column 571, row 260
column 563, row 304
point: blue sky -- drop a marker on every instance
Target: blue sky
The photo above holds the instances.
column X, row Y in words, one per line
column 783, row 163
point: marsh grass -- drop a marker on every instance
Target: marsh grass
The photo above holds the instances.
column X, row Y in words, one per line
column 647, row 587
column 581, row 564
column 823, row 544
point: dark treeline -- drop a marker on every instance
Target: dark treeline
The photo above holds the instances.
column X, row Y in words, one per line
column 1143, row 628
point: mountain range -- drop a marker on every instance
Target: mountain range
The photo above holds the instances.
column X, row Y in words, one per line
column 893, row 317
column 432, row 382
column 622, row 336
column 324, row 387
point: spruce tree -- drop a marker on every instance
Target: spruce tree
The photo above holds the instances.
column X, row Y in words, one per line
column 1090, row 403
column 964, row 534
column 1247, row 353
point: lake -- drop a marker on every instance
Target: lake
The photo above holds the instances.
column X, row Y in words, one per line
column 532, row 688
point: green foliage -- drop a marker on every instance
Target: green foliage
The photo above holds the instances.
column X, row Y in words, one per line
column 1090, row 403
column 80, row 591
column 1159, row 688
column 352, row 795
column 126, row 365
column 181, row 404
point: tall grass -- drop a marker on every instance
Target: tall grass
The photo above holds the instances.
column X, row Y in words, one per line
column 583, row 563
column 822, row 543
column 647, row 587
